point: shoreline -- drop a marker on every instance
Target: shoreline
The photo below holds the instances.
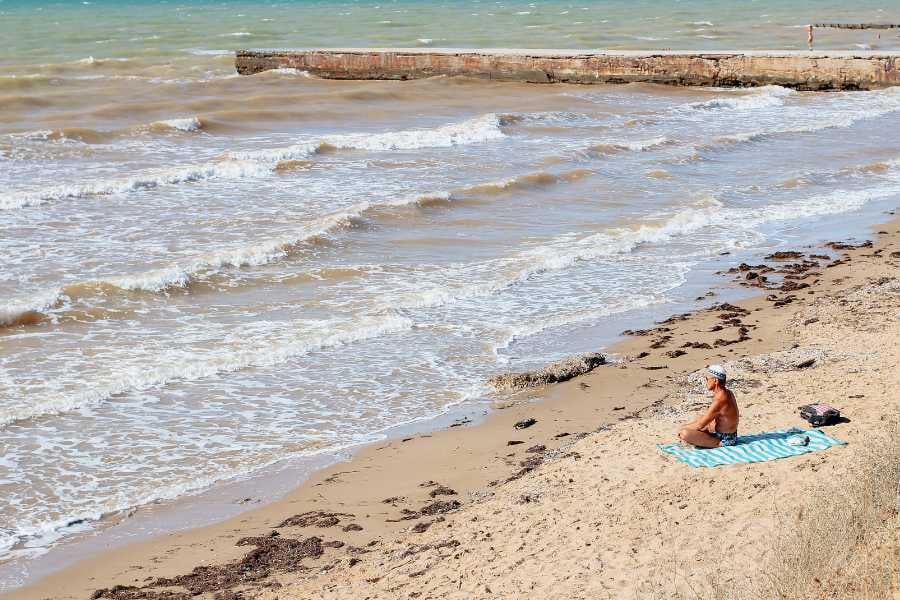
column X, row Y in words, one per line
column 464, row 459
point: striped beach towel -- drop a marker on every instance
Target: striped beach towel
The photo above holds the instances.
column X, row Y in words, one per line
column 758, row 447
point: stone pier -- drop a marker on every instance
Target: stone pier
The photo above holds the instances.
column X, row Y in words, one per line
column 863, row 70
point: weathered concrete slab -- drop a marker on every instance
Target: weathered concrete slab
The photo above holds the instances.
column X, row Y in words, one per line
column 800, row 70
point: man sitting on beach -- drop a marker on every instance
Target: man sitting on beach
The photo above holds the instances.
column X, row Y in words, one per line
column 718, row 427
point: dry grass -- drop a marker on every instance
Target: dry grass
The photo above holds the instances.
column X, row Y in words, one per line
column 841, row 543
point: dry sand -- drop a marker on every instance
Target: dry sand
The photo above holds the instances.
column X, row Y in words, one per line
column 585, row 506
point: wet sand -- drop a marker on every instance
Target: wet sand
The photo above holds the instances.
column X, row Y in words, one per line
column 580, row 502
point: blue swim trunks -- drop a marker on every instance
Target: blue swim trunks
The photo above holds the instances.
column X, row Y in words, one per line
column 726, row 439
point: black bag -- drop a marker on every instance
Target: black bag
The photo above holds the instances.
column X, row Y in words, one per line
column 819, row 414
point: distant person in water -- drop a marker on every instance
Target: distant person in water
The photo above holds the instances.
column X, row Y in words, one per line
column 718, row 427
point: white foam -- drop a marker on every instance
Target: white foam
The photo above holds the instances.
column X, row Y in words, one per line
column 288, row 71
column 563, row 252
column 185, row 124
column 40, row 536
column 555, row 255
column 13, row 310
column 258, row 163
column 642, row 145
column 471, row 131
column 38, row 135
column 255, row 254
column 207, row 52
column 834, row 203
column 178, row 365
column 181, row 275
column 90, row 60
column 629, row 303
column 230, row 169
column 841, row 111
column 153, row 281
column 764, row 97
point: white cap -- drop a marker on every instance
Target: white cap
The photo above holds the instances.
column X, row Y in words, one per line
column 717, row 371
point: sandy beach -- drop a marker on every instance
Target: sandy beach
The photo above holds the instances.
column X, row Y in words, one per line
column 580, row 504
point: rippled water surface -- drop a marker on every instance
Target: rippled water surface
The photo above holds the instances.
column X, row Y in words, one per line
column 203, row 274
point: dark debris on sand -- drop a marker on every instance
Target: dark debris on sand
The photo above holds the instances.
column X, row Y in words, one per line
column 271, row 554
column 440, row 507
column 314, row 518
column 785, row 255
column 730, row 308
column 527, row 466
column 846, row 246
column 435, row 508
column 442, row 490
column 562, row 370
column 419, row 548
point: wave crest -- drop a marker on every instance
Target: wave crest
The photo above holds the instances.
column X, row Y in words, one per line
column 183, row 124
column 179, row 365
column 259, row 163
column 763, row 97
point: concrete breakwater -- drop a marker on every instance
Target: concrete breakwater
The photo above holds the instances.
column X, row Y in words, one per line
column 800, row 70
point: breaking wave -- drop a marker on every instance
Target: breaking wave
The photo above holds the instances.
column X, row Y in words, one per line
column 481, row 129
column 851, row 110
column 29, row 311
column 530, row 180
column 23, row 82
column 94, row 136
column 636, row 146
column 179, row 365
column 566, row 251
column 552, row 256
column 258, row 163
column 185, row 124
column 764, row 97
column 150, row 180
column 34, row 310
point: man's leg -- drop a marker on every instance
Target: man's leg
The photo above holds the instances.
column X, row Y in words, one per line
column 698, row 438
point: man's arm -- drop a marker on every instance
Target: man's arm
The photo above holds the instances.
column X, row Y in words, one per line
column 714, row 409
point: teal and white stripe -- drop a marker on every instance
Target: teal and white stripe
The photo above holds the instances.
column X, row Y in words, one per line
column 758, row 447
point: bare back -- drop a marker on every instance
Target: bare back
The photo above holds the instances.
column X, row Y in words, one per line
column 727, row 413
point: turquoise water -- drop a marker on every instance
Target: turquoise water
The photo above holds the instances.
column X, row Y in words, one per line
column 40, row 32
